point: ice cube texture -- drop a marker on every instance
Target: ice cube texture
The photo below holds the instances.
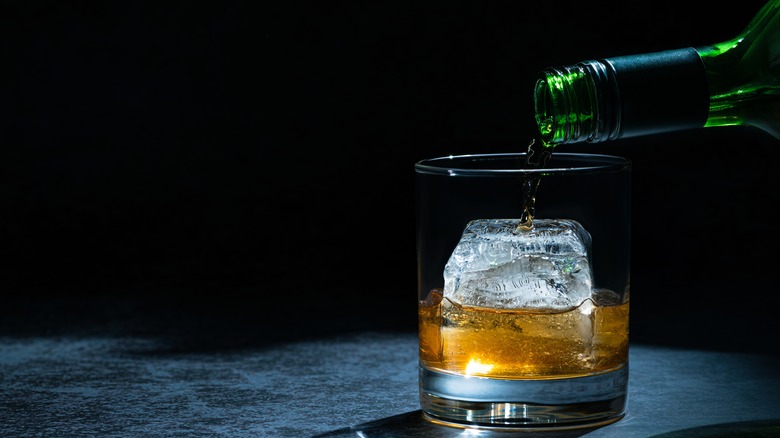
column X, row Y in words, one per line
column 496, row 265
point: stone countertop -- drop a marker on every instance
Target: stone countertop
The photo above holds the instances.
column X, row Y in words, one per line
column 361, row 384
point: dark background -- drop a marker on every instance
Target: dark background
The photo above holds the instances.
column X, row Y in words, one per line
column 233, row 167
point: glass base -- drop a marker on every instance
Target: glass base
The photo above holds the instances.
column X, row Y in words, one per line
column 542, row 404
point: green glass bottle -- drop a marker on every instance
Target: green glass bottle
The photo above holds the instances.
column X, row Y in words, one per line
column 733, row 83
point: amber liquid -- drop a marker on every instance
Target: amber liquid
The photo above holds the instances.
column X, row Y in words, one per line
column 524, row 343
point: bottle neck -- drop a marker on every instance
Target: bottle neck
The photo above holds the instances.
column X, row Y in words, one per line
column 621, row 97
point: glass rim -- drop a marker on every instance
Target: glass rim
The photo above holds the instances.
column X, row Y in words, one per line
column 583, row 162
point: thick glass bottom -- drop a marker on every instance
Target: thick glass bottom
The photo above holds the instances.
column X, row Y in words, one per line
column 502, row 403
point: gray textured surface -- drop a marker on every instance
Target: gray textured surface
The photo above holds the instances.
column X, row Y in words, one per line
column 345, row 385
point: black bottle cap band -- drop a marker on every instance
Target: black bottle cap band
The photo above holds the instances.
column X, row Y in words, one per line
column 660, row 92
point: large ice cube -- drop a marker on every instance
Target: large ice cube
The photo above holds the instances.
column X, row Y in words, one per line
column 495, row 265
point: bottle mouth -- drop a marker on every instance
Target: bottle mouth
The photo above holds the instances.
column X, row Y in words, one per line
column 567, row 104
column 544, row 110
column 564, row 109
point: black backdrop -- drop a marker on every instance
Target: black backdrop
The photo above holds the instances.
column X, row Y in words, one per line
column 189, row 166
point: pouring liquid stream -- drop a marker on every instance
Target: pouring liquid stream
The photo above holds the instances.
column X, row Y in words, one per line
column 537, row 157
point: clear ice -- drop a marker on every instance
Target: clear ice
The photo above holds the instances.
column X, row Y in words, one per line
column 495, row 265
